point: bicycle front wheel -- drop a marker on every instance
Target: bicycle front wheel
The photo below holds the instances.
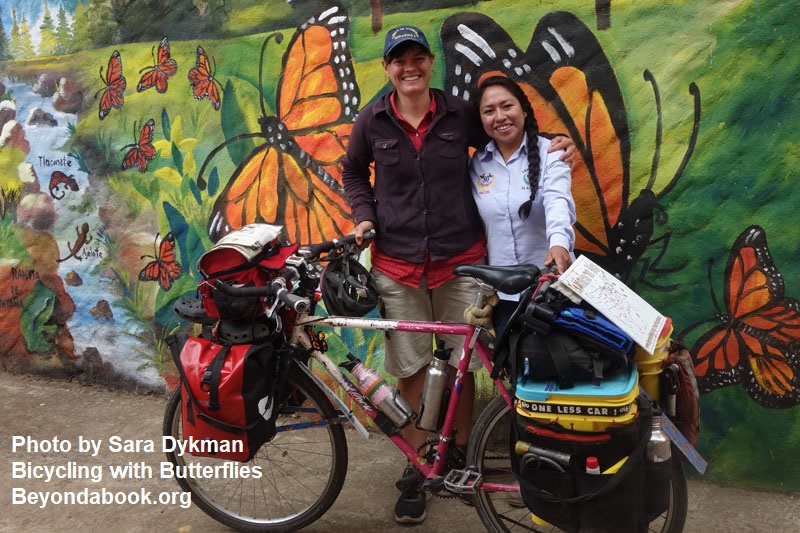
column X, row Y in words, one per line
column 505, row 511
column 303, row 467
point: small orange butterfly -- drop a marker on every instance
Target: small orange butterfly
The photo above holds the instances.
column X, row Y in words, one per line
column 158, row 74
column 756, row 341
column 115, row 85
column 164, row 268
column 202, row 79
column 143, row 151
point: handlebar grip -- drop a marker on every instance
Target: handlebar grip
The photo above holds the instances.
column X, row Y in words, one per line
column 277, row 288
column 293, row 301
column 321, row 248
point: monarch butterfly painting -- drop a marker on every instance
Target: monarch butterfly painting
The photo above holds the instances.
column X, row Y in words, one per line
column 757, row 340
column 573, row 90
column 202, row 80
column 115, row 84
column 294, row 178
column 164, row 267
column 143, row 150
column 158, row 74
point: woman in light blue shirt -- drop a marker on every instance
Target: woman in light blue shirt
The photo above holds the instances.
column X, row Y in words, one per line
column 522, row 192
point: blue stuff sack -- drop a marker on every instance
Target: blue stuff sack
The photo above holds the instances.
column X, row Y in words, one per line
column 592, row 327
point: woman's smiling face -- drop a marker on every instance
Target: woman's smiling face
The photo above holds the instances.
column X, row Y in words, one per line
column 502, row 117
column 410, row 70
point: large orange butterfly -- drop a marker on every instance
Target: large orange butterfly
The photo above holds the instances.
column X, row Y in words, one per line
column 204, row 84
column 757, row 342
column 158, row 74
column 573, row 90
column 163, row 268
column 294, row 178
column 143, row 151
column 115, row 85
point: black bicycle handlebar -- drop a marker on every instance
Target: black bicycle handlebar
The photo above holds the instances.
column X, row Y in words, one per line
column 277, row 288
column 318, row 249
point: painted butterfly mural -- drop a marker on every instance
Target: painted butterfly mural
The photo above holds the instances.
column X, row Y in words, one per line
column 164, row 267
column 143, row 150
column 113, row 93
column 294, row 178
column 158, row 74
column 574, row 90
column 202, row 80
column 757, row 340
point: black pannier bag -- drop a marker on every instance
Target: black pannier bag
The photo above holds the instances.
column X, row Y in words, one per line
column 625, row 498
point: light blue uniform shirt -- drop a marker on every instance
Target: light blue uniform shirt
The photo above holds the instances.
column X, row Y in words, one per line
column 499, row 189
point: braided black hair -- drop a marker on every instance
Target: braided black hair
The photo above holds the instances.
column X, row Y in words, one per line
column 531, row 128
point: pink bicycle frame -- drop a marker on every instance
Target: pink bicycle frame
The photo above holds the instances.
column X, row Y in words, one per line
column 471, row 341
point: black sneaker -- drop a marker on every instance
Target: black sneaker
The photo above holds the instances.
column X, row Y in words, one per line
column 410, row 507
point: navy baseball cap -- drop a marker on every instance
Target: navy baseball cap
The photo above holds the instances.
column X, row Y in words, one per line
column 402, row 34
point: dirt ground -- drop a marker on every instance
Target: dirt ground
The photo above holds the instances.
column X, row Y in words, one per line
column 45, row 410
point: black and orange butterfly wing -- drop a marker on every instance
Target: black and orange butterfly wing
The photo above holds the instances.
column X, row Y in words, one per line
column 202, row 80
column 294, row 179
column 756, row 343
column 164, row 268
column 143, row 151
column 573, row 90
column 158, row 75
column 115, row 84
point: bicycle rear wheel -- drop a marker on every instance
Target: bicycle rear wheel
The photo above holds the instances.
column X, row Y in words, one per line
column 504, row 511
column 303, row 467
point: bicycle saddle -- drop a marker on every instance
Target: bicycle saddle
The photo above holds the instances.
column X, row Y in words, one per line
column 509, row 279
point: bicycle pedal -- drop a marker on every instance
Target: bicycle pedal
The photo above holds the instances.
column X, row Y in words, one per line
column 461, row 481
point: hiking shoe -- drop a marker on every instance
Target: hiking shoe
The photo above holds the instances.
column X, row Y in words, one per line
column 410, row 507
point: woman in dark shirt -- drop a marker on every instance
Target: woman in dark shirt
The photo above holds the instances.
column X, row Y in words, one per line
column 426, row 223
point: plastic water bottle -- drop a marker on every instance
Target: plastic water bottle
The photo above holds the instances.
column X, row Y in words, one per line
column 434, row 391
column 658, row 447
column 382, row 395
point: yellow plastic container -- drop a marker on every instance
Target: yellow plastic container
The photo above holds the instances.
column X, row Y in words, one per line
column 650, row 366
column 584, row 407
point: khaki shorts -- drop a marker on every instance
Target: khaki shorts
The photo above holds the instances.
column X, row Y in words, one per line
column 408, row 352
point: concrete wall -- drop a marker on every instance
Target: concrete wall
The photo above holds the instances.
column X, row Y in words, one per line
column 112, row 190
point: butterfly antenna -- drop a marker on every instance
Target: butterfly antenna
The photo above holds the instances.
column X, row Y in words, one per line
column 155, row 249
column 711, row 286
column 648, row 76
column 278, row 39
column 694, row 90
column 201, row 182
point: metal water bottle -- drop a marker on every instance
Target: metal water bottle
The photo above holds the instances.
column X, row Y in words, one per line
column 658, row 447
column 382, row 395
column 435, row 393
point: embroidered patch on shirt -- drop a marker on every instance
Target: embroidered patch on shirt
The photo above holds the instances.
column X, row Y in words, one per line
column 485, row 182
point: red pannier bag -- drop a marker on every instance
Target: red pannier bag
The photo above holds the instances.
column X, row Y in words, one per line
column 228, row 397
column 250, row 256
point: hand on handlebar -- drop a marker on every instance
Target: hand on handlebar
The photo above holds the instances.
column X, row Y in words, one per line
column 367, row 227
column 559, row 257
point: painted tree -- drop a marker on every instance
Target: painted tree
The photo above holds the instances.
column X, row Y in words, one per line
column 94, row 24
column 3, row 42
column 63, row 32
column 602, row 10
column 47, row 33
column 20, row 43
